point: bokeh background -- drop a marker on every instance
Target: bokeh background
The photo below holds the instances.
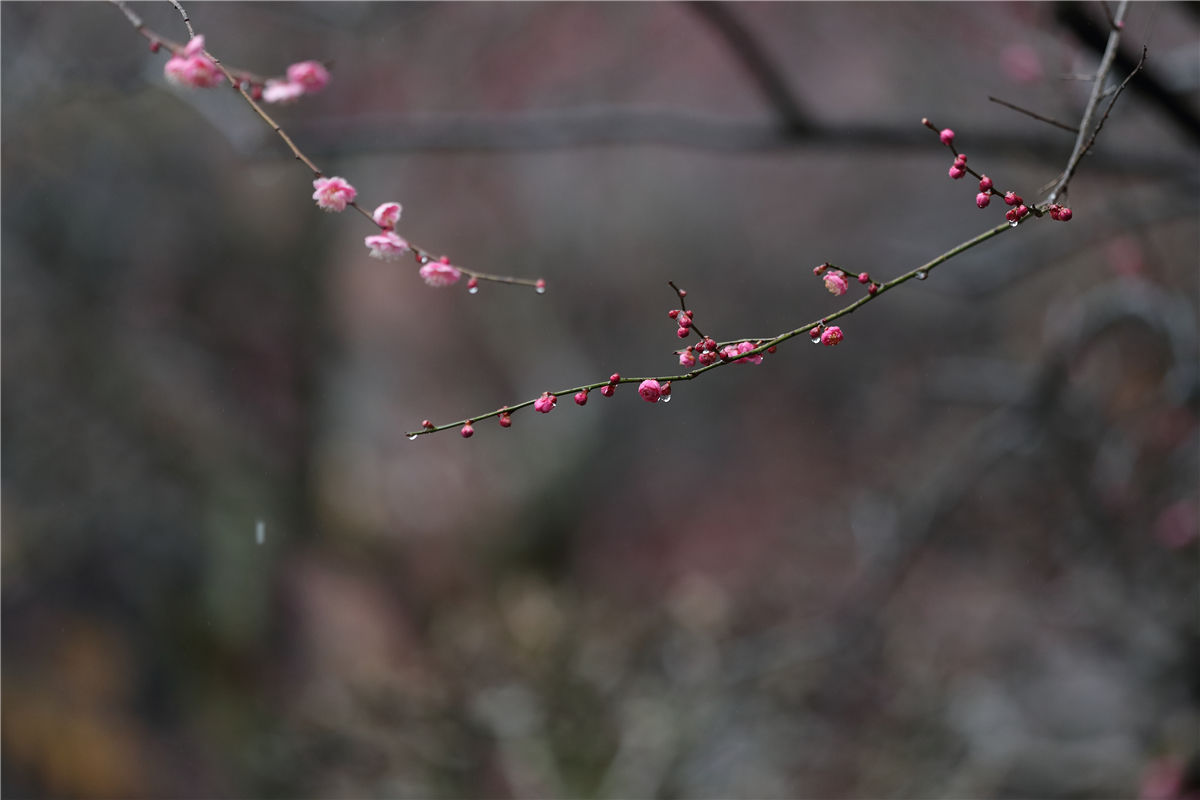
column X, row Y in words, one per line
column 955, row 556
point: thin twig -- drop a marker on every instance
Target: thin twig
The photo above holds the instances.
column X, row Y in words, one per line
column 1115, row 94
column 1085, row 124
column 1033, row 114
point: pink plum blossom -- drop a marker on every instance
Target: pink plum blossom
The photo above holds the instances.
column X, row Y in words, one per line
column 386, row 246
column 687, row 358
column 332, row 194
column 311, row 76
column 440, row 273
column 831, row 336
column 198, row 71
column 387, row 215
column 650, row 390
column 545, row 403
column 835, row 282
column 733, row 351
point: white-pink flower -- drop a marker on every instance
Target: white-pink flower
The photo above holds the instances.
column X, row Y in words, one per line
column 332, row 194
column 386, row 246
column 440, row 273
column 835, row 282
column 310, row 75
column 281, row 92
column 387, row 215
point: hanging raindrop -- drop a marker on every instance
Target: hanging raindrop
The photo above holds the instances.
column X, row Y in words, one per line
column 921, row 275
column 666, row 398
column 472, row 290
column 412, row 437
column 1012, row 223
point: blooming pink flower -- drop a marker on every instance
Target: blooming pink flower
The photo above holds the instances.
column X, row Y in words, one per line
column 282, row 92
column 440, row 273
column 746, row 347
column 192, row 68
column 733, row 351
column 545, row 403
column 831, row 336
column 387, row 215
column 332, row 194
column 687, row 358
column 310, row 75
column 835, row 282
column 650, row 390
column 386, row 246
column 196, row 71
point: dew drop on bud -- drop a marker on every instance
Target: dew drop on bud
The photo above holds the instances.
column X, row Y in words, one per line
column 1012, row 223
column 412, row 437
column 472, row 290
column 815, row 339
column 540, row 286
column 666, row 398
column 921, row 275
column 424, row 259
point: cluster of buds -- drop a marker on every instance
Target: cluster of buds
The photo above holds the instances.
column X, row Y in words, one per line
column 704, row 353
column 1018, row 211
column 959, row 168
column 683, row 318
column 837, row 282
column 1060, row 213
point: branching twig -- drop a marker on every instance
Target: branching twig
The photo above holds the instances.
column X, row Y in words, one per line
column 1082, row 143
column 918, row 273
column 239, row 80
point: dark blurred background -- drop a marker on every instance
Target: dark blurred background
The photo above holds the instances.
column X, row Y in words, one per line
column 956, row 556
